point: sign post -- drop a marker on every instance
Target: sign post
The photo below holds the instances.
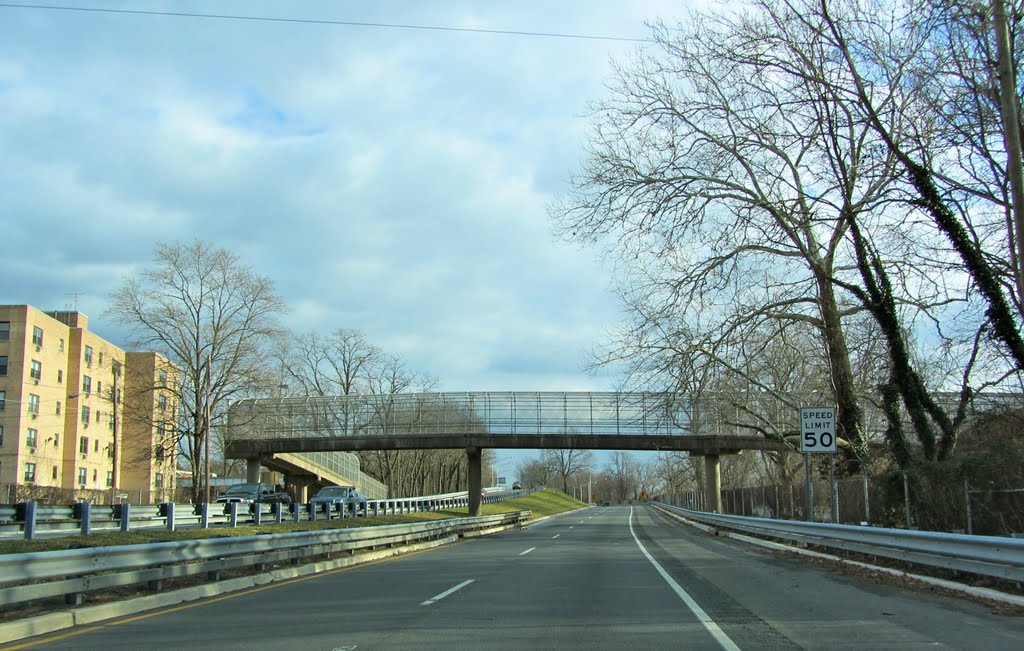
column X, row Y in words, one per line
column 818, row 436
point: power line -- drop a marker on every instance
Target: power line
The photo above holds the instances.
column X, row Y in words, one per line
column 321, row 21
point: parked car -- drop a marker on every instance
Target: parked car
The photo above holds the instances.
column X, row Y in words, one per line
column 254, row 493
column 347, row 496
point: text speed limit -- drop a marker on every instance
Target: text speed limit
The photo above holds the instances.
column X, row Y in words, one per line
column 818, row 430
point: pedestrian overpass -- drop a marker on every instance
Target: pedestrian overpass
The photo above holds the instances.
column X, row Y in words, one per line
column 259, row 429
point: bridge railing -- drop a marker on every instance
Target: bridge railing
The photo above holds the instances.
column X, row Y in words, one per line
column 523, row 413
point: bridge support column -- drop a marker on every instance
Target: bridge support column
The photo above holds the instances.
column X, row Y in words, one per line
column 301, row 484
column 713, row 483
column 475, row 482
column 252, row 470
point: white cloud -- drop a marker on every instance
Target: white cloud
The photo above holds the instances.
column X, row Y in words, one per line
column 393, row 181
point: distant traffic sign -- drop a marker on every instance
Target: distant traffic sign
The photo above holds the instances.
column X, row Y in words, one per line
column 818, row 430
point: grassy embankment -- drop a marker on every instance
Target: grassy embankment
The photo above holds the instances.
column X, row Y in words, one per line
column 542, row 503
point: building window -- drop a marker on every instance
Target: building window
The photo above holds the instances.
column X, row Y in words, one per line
column 30, row 472
column 163, row 379
column 56, row 439
column 37, row 336
column 5, row 330
column 86, row 384
column 158, row 453
column 161, row 403
column 83, row 445
column 110, row 478
column 1, row 435
column 88, row 356
column 35, row 371
column 60, row 346
column 58, row 407
column 96, row 445
column 33, row 404
column 110, row 422
column 101, row 358
column 110, row 451
column 60, row 375
column 159, row 481
column 54, row 473
column 3, row 364
column 160, row 429
column 32, row 437
column 3, row 400
column 99, row 387
column 95, row 475
column 85, row 416
column 81, row 476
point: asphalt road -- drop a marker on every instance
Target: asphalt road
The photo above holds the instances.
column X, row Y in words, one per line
column 601, row 578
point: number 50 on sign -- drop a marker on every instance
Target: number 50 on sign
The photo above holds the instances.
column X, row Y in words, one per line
column 818, row 429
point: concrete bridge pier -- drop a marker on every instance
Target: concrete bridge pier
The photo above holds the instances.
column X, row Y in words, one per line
column 475, row 481
column 252, row 470
column 713, row 483
column 300, row 484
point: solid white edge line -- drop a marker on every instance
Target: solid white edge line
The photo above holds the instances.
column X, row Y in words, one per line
column 447, row 592
column 723, row 640
column 527, row 551
column 555, row 536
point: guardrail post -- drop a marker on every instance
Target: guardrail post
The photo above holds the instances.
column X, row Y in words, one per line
column 278, row 507
column 312, row 512
column 233, row 514
column 257, row 513
column 204, row 515
column 169, row 512
column 83, row 511
column 296, row 512
column 28, row 518
column 124, row 512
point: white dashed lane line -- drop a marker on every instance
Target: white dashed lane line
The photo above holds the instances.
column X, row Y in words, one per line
column 447, row 592
column 555, row 536
column 527, row 551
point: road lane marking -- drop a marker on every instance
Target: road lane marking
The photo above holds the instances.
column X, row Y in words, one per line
column 572, row 527
column 723, row 640
column 555, row 536
column 447, row 592
column 527, row 551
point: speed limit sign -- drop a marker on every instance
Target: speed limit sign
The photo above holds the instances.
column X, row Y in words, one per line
column 818, row 430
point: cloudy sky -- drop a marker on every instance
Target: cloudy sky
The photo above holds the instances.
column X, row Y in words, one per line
column 390, row 180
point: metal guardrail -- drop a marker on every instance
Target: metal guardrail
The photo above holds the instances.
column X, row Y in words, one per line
column 985, row 555
column 31, row 520
column 75, row 572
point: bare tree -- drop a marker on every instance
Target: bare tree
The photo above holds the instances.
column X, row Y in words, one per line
column 725, row 185
column 622, row 471
column 568, row 463
column 214, row 319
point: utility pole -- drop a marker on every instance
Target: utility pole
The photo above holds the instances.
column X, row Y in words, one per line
column 1008, row 104
column 206, row 429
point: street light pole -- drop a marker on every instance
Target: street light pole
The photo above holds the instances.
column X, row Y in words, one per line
column 206, row 428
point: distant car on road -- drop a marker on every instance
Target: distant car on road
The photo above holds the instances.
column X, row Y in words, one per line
column 254, row 493
column 517, row 486
column 347, row 496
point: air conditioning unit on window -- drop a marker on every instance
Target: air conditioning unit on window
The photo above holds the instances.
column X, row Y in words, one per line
column 35, row 381
column 38, row 348
column 31, row 450
column 35, row 416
